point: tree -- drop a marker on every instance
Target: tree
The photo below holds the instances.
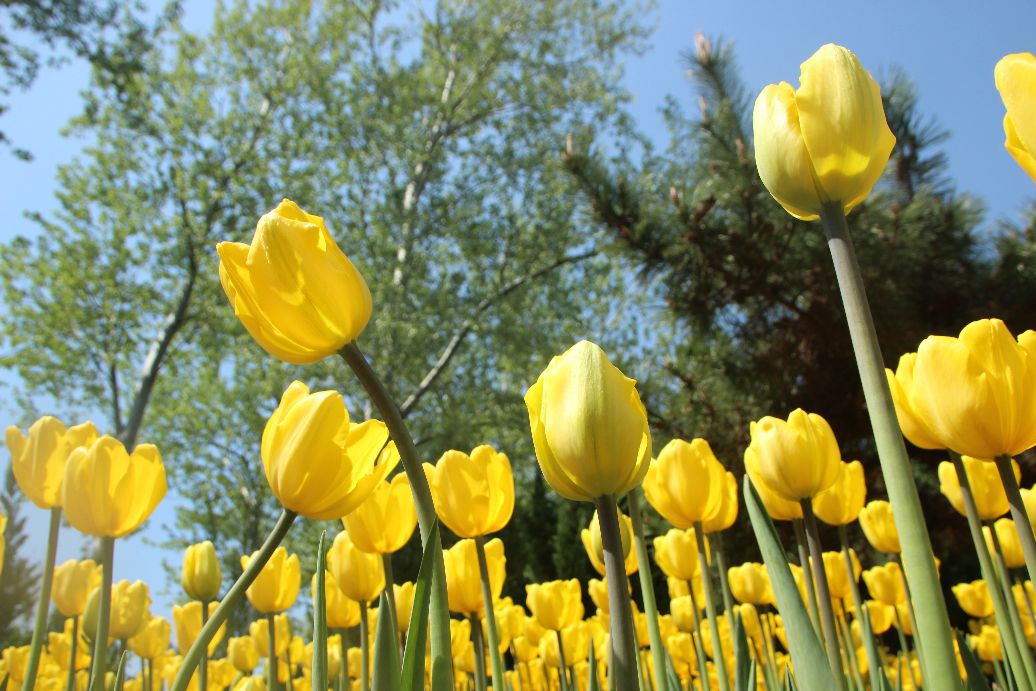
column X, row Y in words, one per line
column 20, row 576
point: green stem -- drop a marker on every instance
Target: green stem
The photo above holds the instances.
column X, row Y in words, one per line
column 696, row 637
column 624, row 648
column 904, row 648
column 918, row 649
column 710, row 609
column 1018, row 513
column 390, row 593
column 769, row 652
column 365, row 652
column 100, row 659
column 230, row 602
column 1014, row 621
column 343, row 651
column 478, row 645
column 807, row 573
column 933, row 623
column 827, row 617
column 271, row 654
column 1028, row 603
column 39, row 631
column 647, row 590
column 869, row 645
column 442, row 658
column 846, row 641
column 562, row 666
column 203, row 666
column 70, row 684
column 150, row 674
column 495, row 658
column 716, row 547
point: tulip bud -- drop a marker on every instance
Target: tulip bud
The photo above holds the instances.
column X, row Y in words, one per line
column 676, row 553
column 797, row 459
column 885, row 583
column 879, row 526
column 188, row 622
column 277, row 585
column 38, row 460
column 987, row 644
column 73, row 583
column 242, row 653
column 201, row 577
column 1015, row 77
column 840, row 504
column 974, row 599
column 463, row 585
column 474, row 495
column 589, row 427
column 360, row 576
column 1010, row 544
column 686, row 483
column 750, row 584
column 259, row 632
column 129, row 610
column 293, row 289
column 152, row 639
column 384, row 522
column 826, row 142
column 555, row 604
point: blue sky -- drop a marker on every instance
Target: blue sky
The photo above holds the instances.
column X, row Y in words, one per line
column 948, row 48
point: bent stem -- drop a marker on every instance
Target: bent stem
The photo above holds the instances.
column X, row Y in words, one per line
column 623, row 646
column 647, row 590
column 233, row 597
column 442, row 658
column 493, row 633
column 100, row 658
column 42, row 608
column 1018, row 513
column 827, row 617
column 710, row 609
column 933, row 624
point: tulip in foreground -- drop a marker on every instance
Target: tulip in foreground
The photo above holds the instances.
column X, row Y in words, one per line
column 1015, row 77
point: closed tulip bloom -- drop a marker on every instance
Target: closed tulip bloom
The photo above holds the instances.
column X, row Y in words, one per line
column 986, row 488
column 880, row 614
column 385, row 521
column 977, row 392
column 1024, row 597
column 201, row 577
column 555, row 604
column 14, row 660
column 885, row 583
column 259, row 632
column 727, row 512
column 73, row 583
column 911, row 421
column 187, row 620
column 129, row 613
column 840, row 504
column 242, row 653
column 107, row 492
column 463, row 587
column 1029, row 499
column 1010, row 544
column 987, row 644
column 778, row 508
column 1015, row 77
column 825, row 142
column 797, row 459
column 879, row 526
column 594, row 546
column 38, row 459
column 686, row 483
column 360, row 576
column 676, row 553
column 597, row 588
column 750, row 584
column 974, row 599
column 589, row 427
column 342, row 612
column 317, row 462
column 474, row 495
column 838, row 576
column 277, row 585
column 682, row 610
column 404, row 597
column 293, row 289
column 152, row 639
column 59, row 645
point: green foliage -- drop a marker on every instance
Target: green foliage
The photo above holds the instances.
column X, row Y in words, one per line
column 20, row 575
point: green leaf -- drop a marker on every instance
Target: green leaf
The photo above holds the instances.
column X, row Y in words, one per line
column 807, row 654
column 883, row 680
column 976, row 679
column 386, row 652
column 743, row 667
column 592, row 684
column 120, row 671
column 320, row 618
column 789, row 680
column 670, row 672
column 417, row 630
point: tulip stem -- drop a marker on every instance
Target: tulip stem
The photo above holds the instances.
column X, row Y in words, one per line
column 230, row 601
column 271, row 656
column 624, row 648
column 390, row 593
column 495, row 659
column 1013, row 620
column 716, row 546
column 647, row 590
column 807, row 574
column 442, row 658
column 869, row 645
column 478, row 645
column 1018, row 513
column 562, row 667
column 100, row 658
column 203, row 666
column 365, row 648
column 710, row 609
column 343, row 669
column 827, row 617
column 40, row 628
column 933, row 623
column 70, row 684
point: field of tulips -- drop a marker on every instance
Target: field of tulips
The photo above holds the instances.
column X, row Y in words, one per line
column 809, row 616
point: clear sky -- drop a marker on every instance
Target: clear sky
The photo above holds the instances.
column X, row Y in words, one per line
column 947, row 47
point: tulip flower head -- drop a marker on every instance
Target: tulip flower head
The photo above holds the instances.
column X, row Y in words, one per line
column 840, row 504
column 974, row 599
column 129, row 612
column 555, row 604
column 359, row 575
column 293, row 289
column 342, row 611
column 1015, row 77
column 676, row 553
column 463, row 585
column 750, row 584
column 879, row 526
column 188, row 622
column 986, row 488
column 38, row 459
column 72, row 585
column 201, row 577
column 474, row 495
column 727, row 512
column 797, row 459
column 242, row 653
column 152, row 639
column 589, row 427
column 885, row 583
column 1010, row 544
column 826, row 142
column 385, row 521
column 686, row 483
column 277, row 585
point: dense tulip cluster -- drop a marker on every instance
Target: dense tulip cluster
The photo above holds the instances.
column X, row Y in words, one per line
column 819, row 620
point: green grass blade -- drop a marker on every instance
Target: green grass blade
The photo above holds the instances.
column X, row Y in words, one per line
column 743, row 666
column 386, row 652
column 417, row 630
column 320, row 618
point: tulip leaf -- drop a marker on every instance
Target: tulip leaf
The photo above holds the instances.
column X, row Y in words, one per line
column 976, row 679
column 670, row 672
column 120, row 671
column 789, row 680
column 592, row 684
column 386, row 652
column 320, row 618
column 807, row 654
column 417, row 630
column 742, row 660
column 883, row 681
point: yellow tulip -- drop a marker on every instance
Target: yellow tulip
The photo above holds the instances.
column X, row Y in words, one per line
column 594, row 546
column 987, row 644
column 259, row 632
column 686, row 483
column 463, row 585
column 589, row 427
column 187, row 620
column 750, row 584
column 779, row 508
column 597, row 588
column 277, row 585
column 840, row 504
column 727, row 513
column 555, row 604
column 201, row 577
column 797, row 459
column 360, row 576
column 317, row 462
column 885, row 583
column 384, row 522
column 1010, row 544
column 107, row 492
column 911, row 422
column 1025, row 599
column 474, row 495
column 129, row 609
column 838, row 576
column 826, row 142
column 986, row 488
column 38, row 459
column 1015, row 77
column 243, row 654
column 73, row 583
column 14, row 661
column 977, row 392
column 881, row 615
column 974, row 599
column 60, row 647
column 342, row 611
column 879, row 526
column 293, row 289
column 404, row 598
column 682, row 610
column 676, row 553
column 153, row 638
